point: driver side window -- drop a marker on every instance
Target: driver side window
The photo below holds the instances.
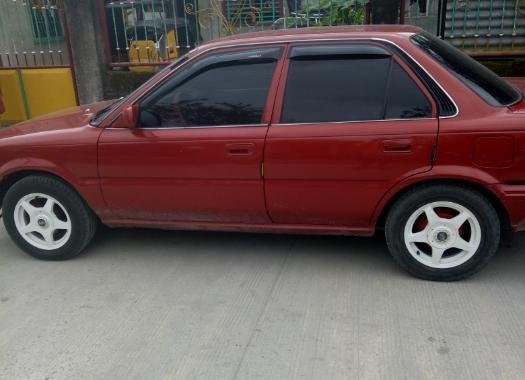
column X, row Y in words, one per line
column 225, row 92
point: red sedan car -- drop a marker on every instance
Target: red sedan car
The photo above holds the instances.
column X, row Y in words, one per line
column 317, row 131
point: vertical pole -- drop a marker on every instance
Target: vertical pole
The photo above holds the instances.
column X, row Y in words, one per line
column 307, row 13
column 283, row 13
column 261, row 14
column 331, row 10
column 105, row 32
column 115, row 32
column 442, row 16
column 27, row 111
column 167, row 49
column 186, row 25
column 489, row 33
column 122, row 9
column 145, row 31
column 197, row 25
column 296, row 14
column 135, row 23
column 401, row 12
column 46, row 24
column 67, row 37
column 176, row 28
column 516, row 9
column 273, row 11
column 55, row 28
column 465, row 16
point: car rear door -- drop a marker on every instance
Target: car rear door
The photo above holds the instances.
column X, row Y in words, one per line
column 351, row 121
column 196, row 153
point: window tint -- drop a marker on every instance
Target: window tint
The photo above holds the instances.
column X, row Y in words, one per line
column 351, row 88
column 477, row 77
column 335, row 89
column 404, row 98
column 223, row 93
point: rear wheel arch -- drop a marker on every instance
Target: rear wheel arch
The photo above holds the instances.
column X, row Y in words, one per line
column 488, row 194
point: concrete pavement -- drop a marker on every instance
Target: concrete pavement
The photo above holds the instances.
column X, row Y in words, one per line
column 143, row 304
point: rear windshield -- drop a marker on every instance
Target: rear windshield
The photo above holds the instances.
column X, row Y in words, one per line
column 493, row 89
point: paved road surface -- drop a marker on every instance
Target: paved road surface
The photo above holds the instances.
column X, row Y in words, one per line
column 199, row 305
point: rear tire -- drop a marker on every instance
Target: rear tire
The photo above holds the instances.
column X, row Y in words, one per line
column 47, row 219
column 442, row 232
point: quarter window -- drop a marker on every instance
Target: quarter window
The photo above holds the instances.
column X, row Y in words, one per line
column 230, row 92
column 404, row 99
column 350, row 88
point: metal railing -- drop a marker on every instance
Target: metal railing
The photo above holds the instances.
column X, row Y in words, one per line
column 32, row 34
column 149, row 33
column 142, row 34
column 486, row 27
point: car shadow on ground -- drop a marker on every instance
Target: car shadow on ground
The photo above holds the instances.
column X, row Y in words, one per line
column 369, row 254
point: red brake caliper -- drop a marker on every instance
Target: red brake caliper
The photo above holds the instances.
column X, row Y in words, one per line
column 442, row 213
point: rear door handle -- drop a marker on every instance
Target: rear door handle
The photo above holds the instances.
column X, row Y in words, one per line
column 240, row 149
column 397, row 145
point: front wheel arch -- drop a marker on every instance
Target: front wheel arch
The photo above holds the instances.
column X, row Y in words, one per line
column 9, row 180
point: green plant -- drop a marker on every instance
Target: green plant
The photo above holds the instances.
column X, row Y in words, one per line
column 336, row 12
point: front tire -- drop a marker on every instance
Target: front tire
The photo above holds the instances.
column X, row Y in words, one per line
column 442, row 232
column 47, row 219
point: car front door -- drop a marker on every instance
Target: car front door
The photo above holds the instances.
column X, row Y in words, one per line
column 197, row 150
column 354, row 120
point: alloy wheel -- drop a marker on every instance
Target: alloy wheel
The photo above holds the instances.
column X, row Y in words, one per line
column 42, row 221
column 442, row 234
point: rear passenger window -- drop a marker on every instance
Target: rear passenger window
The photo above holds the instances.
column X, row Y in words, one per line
column 350, row 88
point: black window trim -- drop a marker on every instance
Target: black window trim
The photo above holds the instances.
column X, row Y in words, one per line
column 428, row 80
column 447, row 108
column 519, row 94
column 312, row 51
column 405, row 57
column 200, row 64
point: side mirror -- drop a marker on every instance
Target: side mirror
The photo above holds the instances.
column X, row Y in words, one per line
column 128, row 118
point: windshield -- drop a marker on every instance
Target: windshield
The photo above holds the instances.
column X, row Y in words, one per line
column 489, row 86
column 103, row 113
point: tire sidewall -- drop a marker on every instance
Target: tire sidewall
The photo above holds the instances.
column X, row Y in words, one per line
column 65, row 196
column 482, row 210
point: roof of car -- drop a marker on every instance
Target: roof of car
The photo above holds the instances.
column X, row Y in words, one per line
column 293, row 34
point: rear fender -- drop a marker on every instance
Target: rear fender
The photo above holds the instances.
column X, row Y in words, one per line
column 437, row 173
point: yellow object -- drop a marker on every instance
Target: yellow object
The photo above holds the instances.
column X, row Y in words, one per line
column 143, row 52
column 173, row 53
column 34, row 92
column 48, row 90
column 11, row 97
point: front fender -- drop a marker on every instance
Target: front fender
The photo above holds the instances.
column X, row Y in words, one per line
column 87, row 187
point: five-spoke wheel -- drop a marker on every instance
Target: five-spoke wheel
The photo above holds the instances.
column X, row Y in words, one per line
column 442, row 232
column 47, row 218
column 42, row 221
